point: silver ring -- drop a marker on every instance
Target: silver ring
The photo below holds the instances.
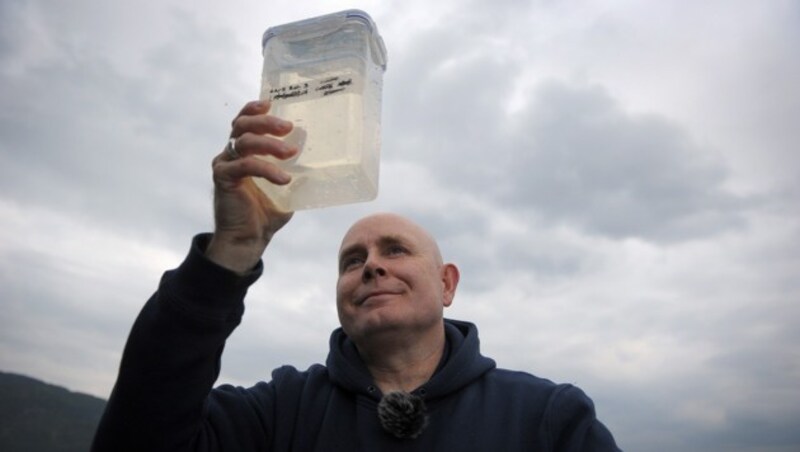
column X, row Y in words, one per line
column 230, row 149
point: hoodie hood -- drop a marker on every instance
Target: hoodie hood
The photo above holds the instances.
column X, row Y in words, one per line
column 461, row 363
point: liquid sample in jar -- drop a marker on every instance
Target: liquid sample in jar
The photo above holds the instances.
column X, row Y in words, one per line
column 325, row 76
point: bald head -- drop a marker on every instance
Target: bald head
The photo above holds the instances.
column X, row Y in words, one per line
column 390, row 224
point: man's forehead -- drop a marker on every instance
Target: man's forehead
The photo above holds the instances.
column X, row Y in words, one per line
column 382, row 227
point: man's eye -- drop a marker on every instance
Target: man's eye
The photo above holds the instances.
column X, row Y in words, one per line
column 351, row 262
column 396, row 249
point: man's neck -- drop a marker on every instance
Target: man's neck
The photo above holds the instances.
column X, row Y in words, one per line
column 398, row 365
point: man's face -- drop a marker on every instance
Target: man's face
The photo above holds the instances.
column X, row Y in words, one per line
column 391, row 278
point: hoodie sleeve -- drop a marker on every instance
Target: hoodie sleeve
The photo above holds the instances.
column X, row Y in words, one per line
column 572, row 424
column 172, row 358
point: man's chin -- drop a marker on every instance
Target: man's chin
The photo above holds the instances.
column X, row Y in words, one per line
column 376, row 324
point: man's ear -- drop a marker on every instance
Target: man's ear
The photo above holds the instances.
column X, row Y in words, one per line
column 450, row 277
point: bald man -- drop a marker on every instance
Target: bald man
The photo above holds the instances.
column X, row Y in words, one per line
column 399, row 376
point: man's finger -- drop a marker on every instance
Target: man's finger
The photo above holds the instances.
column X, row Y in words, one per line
column 236, row 170
column 260, row 124
column 256, row 107
column 252, row 144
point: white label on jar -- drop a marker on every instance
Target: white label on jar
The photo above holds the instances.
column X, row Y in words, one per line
column 314, row 89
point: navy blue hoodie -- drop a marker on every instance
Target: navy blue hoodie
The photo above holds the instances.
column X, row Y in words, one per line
column 163, row 398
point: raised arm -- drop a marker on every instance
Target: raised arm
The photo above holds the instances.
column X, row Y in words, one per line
column 172, row 358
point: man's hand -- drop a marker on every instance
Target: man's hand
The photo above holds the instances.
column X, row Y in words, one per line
column 245, row 219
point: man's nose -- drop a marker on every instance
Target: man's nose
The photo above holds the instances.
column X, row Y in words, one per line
column 372, row 269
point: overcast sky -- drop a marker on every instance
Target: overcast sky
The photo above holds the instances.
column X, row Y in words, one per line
column 617, row 181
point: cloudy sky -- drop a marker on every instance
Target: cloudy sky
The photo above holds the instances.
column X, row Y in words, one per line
column 617, row 181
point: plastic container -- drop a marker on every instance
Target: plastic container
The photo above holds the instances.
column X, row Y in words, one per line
column 325, row 74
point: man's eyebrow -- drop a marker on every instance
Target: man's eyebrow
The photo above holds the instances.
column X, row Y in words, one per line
column 391, row 240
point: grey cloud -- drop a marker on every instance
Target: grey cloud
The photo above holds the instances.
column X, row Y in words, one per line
column 651, row 416
column 572, row 155
column 450, row 106
column 748, row 433
column 81, row 134
column 582, row 159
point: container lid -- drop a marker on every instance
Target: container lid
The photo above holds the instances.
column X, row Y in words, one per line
column 328, row 23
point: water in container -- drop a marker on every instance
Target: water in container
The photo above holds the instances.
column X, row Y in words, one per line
column 325, row 74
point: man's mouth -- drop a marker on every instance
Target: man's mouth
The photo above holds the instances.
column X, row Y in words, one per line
column 361, row 300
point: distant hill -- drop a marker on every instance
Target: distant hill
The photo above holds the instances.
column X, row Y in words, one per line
column 40, row 417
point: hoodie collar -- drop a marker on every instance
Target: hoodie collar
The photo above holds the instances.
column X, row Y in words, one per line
column 461, row 363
